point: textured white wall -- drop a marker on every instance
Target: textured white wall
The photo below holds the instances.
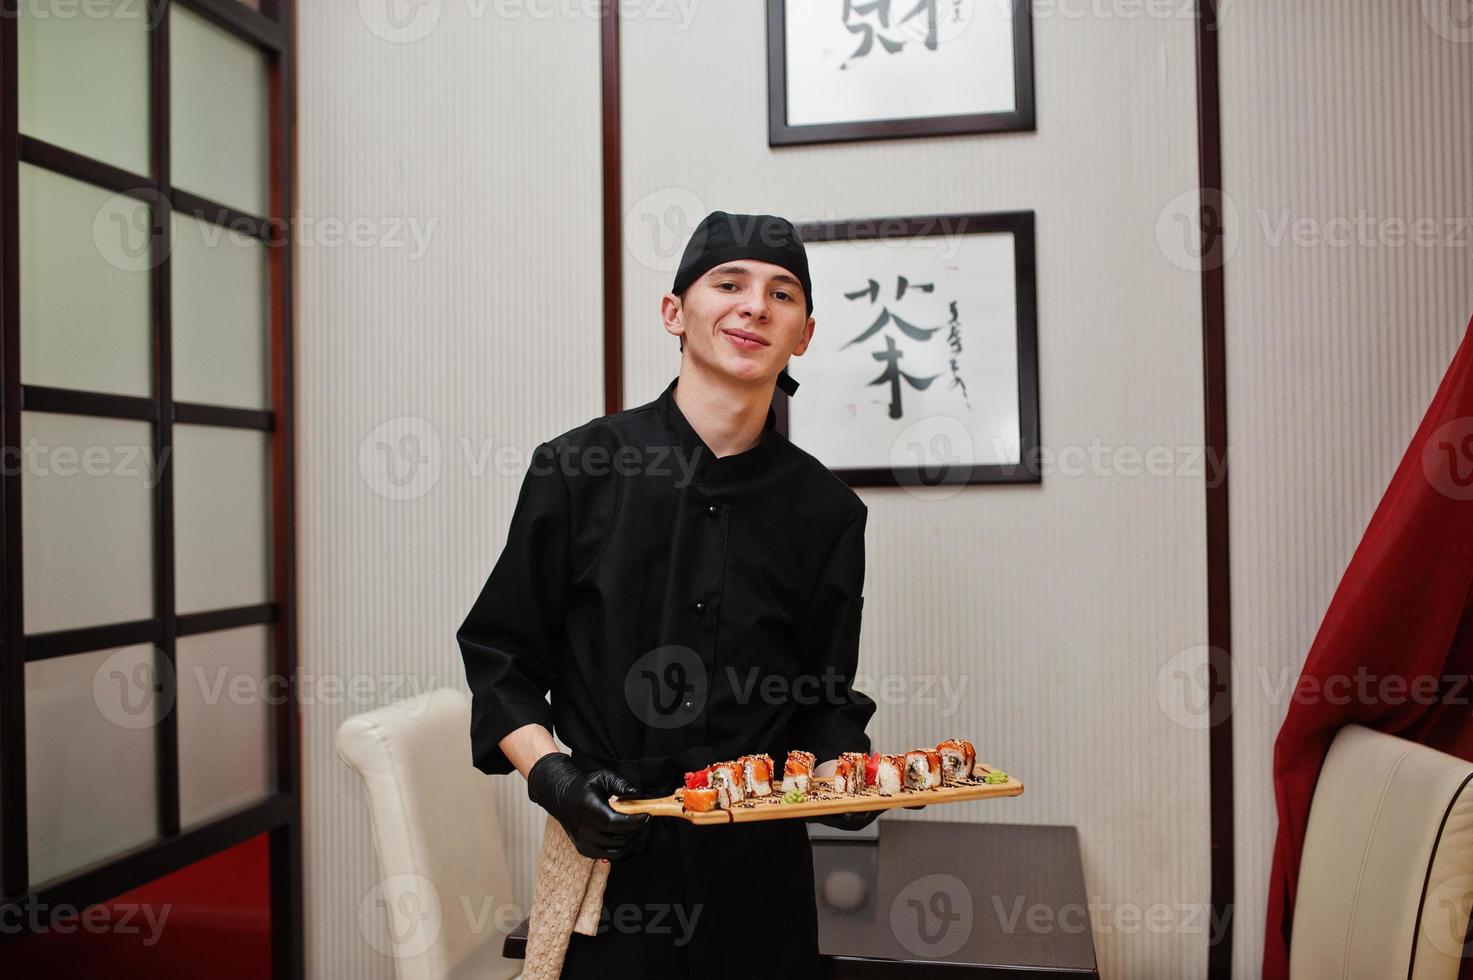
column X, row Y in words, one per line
column 487, row 127
column 1331, row 112
column 1050, row 609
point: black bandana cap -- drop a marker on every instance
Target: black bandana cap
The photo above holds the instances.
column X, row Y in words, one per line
column 724, row 237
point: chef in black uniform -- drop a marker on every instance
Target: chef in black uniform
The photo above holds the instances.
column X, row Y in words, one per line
column 687, row 585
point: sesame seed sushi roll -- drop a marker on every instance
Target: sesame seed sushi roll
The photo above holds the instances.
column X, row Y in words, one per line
column 957, row 759
column 756, row 775
column 844, row 778
column 700, row 800
column 726, row 780
column 888, row 774
column 858, row 762
column 796, row 771
column 923, row 769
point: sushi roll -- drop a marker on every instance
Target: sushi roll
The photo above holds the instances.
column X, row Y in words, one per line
column 957, row 759
column 797, row 770
column 923, row 769
column 726, row 780
column 889, row 770
column 844, row 778
column 858, row 763
column 756, row 775
column 701, row 800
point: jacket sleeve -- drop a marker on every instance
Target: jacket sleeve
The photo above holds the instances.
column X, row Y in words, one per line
column 834, row 720
column 512, row 638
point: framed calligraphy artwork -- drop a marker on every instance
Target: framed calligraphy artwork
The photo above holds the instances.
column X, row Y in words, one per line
column 923, row 368
column 880, row 69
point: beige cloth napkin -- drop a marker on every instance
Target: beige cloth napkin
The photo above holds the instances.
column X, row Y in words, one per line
column 567, row 899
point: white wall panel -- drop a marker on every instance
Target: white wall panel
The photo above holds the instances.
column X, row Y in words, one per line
column 1337, row 117
column 463, row 147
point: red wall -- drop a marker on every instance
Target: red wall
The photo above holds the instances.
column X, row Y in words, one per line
column 211, row 919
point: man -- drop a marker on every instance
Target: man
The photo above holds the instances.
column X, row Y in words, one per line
column 688, row 585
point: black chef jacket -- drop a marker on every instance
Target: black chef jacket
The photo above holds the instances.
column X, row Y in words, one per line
column 680, row 610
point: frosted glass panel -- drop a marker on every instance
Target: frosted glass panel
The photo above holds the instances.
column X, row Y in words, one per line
column 225, row 757
column 84, row 286
column 91, row 783
column 84, row 77
column 219, row 314
column 218, row 122
column 87, row 520
column 222, row 499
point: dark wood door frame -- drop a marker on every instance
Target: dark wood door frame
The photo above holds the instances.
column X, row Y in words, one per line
column 279, row 813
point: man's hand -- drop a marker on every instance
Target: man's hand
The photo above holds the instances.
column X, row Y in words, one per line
column 579, row 800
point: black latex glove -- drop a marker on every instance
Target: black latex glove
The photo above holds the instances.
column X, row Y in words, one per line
column 579, row 800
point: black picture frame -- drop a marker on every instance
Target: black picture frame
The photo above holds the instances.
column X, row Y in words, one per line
column 781, row 133
column 1021, row 225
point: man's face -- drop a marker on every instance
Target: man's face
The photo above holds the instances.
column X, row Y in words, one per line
column 743, row 319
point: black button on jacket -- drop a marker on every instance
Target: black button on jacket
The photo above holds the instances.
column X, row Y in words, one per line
column 680, row 610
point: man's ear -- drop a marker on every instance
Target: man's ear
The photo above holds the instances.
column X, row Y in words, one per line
column 807, row 338
column 670, row 316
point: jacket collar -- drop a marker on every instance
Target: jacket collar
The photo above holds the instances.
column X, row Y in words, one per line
column 684, row 437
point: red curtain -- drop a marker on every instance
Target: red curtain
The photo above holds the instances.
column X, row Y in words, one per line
column 1396, row 644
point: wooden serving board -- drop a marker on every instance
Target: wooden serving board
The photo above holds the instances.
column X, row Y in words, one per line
column 822, row 801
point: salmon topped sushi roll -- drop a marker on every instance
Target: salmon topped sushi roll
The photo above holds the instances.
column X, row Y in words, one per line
column 797, row 770
column 844, row 777
column 756, row 775
column 858, row 763
column 957, row 759
column 889, row 774
column 700, row 800
column 923, row 769
column 726, row 780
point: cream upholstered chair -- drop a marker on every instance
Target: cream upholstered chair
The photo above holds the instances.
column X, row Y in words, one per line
column 1386, row 878
column 444, row 883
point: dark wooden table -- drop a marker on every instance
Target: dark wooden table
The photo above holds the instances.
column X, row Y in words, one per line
column 932, row 899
